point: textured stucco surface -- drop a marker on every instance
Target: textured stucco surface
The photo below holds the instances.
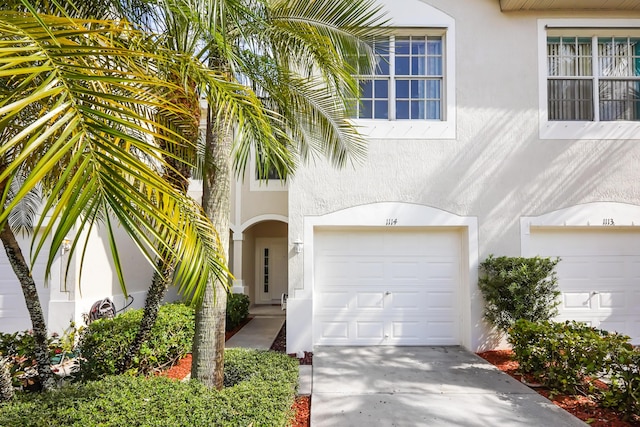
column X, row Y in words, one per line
column 496, row 169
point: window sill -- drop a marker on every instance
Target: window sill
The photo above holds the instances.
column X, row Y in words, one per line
column 406, row 129
column 589, row 130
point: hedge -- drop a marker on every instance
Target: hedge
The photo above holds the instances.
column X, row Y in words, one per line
column 263, row 396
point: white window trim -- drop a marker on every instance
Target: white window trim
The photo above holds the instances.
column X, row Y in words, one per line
column 613, row 130
column 423, row 129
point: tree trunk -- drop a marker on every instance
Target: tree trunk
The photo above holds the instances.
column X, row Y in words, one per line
column 208, row 346
column 6, row 388
column 155, row 295
column 23, row 273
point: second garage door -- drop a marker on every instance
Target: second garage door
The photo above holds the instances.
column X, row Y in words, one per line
column 599, row 275
column 386, row 287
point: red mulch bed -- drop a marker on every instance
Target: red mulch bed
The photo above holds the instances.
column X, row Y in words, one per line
column 302, row 404
column 581, row 407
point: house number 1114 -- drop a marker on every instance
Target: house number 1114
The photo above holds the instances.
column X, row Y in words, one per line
column 392, row 221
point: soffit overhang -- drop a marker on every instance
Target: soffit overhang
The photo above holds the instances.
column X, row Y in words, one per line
column 523, row 5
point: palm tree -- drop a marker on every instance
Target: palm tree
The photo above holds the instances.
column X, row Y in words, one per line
column 78, row 102
column 297, row 55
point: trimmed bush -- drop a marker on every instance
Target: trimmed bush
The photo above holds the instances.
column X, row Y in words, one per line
column 518, row 288
column 237, row 310
column 624, row 375
column 569, row 357
column 106, row 340
column 265, row 399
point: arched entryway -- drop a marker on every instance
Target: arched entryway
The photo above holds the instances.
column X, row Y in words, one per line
column 262, row 260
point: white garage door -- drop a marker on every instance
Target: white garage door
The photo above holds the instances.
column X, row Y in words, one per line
column 13, row 310
column 392, row 287
column 599, row 276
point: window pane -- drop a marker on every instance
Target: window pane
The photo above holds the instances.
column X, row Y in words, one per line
column 402, row 65
column 434, row 66
column 433, row 110
column 418, row 67
column 367, row 88
column 381, row 89
column 381, row 109
column 403, row 45
column 382, row 66
column 417, row 89
column 418, row 46
column 569, row 56
column 433, row 89
column 619, row 100
column 434, row 45
column 417, row 110
column 570, row 99
column 402, row 89
column 618, row 57
column 366, row 110
column 402, row 110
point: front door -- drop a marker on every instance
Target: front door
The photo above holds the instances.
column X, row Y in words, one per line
column 271, row 269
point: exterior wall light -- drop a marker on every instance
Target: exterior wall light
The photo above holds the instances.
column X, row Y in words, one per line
column 297, row 245
column 66, row 245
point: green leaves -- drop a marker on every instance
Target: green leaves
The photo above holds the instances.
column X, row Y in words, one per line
column 518, row 288
column 78, row 115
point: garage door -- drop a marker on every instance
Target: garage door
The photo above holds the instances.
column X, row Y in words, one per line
column 13, row 310
column 392, row 287
column 599, row 276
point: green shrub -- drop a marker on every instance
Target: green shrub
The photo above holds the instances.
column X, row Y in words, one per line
column 106, row 341
column 264, row 399
column 623, row 393
column 237, row 310
column 566, row 357
column 518, row 288
column 242, row 364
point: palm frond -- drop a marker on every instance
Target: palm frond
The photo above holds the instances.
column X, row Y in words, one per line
column 79, row 115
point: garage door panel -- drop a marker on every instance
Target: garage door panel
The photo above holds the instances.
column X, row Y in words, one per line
column 398, row 294
column 407, row 300
column 598, row 275
column 612, row 300
column 441, row 300
column 366, row 329
column 334, row 300
column 369, row 300
column 576, row 301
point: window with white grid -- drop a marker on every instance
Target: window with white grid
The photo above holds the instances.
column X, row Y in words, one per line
column 407, row 82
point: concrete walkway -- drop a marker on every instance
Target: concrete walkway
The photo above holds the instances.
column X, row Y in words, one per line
column 422, row 386
column 259, row 333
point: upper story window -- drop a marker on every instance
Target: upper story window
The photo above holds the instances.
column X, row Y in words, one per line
column 408, row 80
column 593, row 78
column 589, row 78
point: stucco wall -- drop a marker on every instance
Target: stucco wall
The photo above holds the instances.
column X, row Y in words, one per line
column 496, row 168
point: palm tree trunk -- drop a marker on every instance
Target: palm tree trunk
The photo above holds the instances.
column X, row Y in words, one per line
column 39, row 325
column 6, row 388
column 208, row 346
column 155, row 295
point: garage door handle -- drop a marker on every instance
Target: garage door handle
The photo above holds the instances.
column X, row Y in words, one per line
column 387, row 293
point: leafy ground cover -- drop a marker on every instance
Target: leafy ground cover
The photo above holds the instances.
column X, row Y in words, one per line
column 582, row 407
column 260, row 390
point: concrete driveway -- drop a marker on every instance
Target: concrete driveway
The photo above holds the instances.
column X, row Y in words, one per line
column 422, row 386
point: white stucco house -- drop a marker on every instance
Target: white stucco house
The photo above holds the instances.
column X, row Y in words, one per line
column 506, row 127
